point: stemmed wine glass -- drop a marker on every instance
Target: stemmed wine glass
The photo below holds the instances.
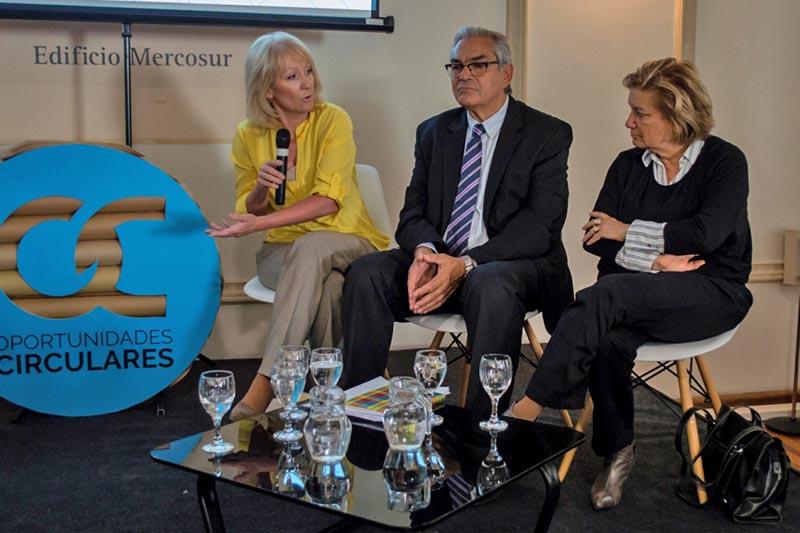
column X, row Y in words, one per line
column 216, row 390
column 493, row 471
column 430, row 367
column 326, row 366
column 288, row 380
column 496, row 371
column 298, row 354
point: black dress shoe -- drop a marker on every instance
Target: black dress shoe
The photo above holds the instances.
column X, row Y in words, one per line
column 607, row 488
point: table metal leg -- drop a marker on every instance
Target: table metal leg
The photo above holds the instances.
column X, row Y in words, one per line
column 209, row 504
column 552, row 485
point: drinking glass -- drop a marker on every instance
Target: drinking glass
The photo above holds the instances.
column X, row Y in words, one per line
column 216, row 390
column 408, row 484
column 288, row 381
column 333, row 397
column 496, row 371
column 293, row 353
column 328, row 484
column 326, row 366
column 430, row 367
column 406, row 389
column 289, row 477
column 493, row 471
column 326, row 432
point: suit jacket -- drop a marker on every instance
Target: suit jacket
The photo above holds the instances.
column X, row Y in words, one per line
column 525, row 202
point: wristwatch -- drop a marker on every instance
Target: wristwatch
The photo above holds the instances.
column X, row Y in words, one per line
column 469, row 264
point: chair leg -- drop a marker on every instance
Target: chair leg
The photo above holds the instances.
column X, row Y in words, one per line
column 465, row 383
column 691, row 427
column 583, row 423
column 437, row 340
column 534, row 340
column 705, row 373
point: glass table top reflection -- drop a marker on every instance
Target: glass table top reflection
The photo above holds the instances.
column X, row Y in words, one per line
column 373, row 483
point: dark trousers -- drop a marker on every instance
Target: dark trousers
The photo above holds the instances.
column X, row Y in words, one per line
column 595, row 342
column 493, row 300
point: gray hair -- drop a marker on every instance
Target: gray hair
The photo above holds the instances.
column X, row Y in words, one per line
column 501, row 47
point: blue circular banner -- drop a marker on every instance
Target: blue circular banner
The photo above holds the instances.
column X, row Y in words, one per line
column 109, row 285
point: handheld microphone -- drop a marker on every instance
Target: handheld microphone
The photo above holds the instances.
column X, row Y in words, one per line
column 282, row 140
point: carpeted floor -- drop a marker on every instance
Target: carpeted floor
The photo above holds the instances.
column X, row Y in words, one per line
column 95, row 474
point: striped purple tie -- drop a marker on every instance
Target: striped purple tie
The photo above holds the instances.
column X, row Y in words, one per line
column 457, row 233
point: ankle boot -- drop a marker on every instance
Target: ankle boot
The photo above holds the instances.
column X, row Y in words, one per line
column 607, row 488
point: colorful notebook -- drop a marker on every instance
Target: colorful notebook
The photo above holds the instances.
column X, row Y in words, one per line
column 369, row 400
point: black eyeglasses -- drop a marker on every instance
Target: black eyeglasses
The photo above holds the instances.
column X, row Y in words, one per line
column 476, row 68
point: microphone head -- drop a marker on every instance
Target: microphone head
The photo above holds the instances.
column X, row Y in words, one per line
column 283, row 138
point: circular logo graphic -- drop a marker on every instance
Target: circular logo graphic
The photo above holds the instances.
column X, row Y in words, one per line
column 108, row 284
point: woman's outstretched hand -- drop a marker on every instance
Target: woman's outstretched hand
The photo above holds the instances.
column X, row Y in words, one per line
column 236, row 225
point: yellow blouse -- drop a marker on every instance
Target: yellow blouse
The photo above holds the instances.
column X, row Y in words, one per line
column 326, row 165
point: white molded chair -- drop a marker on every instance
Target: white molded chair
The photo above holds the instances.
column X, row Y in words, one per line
column 668, row 355
column 369, row 184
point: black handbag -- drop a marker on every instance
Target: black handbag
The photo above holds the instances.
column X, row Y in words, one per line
column 746, row 468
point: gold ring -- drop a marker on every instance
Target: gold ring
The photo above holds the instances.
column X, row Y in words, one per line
column 596, row 229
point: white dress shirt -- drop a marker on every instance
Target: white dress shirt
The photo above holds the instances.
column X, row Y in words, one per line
column 477, row 229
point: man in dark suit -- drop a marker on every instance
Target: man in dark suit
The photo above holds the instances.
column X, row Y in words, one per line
column 480, row 230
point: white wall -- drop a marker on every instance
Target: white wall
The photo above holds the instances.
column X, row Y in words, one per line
column 746, row 52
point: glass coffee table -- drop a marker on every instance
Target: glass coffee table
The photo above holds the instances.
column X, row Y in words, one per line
column 360, row 488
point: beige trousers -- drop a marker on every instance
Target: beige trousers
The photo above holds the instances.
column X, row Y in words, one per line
column 307, row 277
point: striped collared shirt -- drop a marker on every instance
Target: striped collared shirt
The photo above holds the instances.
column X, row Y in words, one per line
column 644, row 241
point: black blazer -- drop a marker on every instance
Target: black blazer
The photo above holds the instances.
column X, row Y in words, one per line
column 525, row 203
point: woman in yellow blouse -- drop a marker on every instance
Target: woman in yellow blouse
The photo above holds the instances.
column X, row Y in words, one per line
column 323, row 225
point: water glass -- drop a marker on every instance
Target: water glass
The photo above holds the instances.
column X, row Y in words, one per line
column 293, row 353
column 328, row 484
column 405, row 425
column 408, row 484
column 493, row 471
column 216, row 390
column 405, row 389
column 335, row 398
column 288, row 381
column 326, row 433
column 430, row 367
column 326, row 366
column 289, row 477
column 496, row 372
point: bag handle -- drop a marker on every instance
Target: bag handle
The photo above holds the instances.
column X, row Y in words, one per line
column 709, row 421
column 728, row 456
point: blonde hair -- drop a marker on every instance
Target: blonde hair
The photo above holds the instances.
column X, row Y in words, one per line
column 680, row 95
column 265, row 61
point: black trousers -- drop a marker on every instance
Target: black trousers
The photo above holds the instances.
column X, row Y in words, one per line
column 493, row 300
column 594, row 345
